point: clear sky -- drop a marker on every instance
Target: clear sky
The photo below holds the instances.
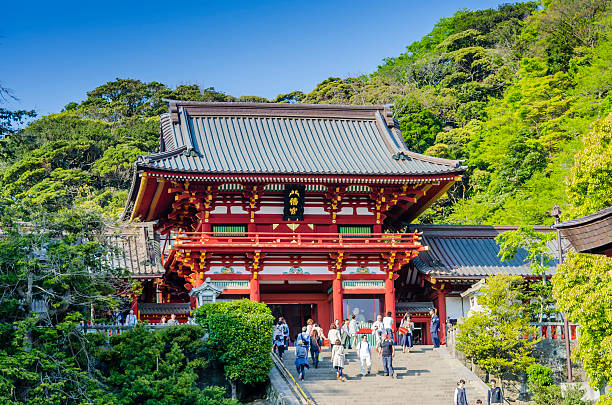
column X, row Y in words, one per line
column 52, row 53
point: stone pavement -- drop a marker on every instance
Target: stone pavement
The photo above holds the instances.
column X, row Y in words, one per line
column 425, row 376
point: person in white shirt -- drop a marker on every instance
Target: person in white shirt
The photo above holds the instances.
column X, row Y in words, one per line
column 378, row 329
column 365, row 355
column 388, row 325
column 130, row 319
column 353, row 330
column 333, row 335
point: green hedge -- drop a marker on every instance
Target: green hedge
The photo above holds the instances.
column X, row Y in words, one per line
column 240, row 336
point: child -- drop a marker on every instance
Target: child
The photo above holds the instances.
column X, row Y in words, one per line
column 301, row 358
column 338, row 358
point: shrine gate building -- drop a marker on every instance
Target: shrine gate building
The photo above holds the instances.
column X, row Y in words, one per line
column 303, row 207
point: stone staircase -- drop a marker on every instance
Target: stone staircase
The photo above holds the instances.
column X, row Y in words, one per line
column 425, row 376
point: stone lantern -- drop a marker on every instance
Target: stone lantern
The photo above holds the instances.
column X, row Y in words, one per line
column 205, row 292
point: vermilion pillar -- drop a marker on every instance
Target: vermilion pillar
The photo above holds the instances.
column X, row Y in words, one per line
column 337, row 297
column 390, row 297
column 254, row 285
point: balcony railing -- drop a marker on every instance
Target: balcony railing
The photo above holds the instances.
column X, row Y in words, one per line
column 297, row 241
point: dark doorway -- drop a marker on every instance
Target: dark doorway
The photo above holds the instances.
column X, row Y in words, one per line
column 418, row 334
column 296, row 316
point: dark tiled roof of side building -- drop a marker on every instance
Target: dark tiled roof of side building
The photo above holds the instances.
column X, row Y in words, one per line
column 591, row 234
column 470, row 252
column 285, row 138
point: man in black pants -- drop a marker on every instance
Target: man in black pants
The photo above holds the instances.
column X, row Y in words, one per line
column 494, row 395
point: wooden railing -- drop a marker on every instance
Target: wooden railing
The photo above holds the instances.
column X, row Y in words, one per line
column 112, row 329
column 297, row 240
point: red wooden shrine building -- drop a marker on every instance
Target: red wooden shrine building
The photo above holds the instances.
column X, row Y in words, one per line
column 303, row 207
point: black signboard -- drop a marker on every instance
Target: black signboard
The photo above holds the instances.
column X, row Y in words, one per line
column 294, row 203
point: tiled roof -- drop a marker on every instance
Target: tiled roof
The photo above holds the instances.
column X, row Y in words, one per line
column 177, row 308
column 592, row 233
column 470, row 251
column 287, row 138
column 424, row 306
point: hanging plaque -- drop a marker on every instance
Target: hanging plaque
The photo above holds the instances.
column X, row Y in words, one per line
column 294, row 203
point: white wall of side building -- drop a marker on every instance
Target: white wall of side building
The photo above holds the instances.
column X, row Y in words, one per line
column 454, row 309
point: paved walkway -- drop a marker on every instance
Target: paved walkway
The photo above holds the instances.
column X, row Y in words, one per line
column 425, row 376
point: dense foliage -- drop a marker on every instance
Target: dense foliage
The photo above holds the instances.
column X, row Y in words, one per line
column 537, row 297
column 544, row 392
column 164, row 367
column 240, row 336
column 494, row 337
column 583, row 287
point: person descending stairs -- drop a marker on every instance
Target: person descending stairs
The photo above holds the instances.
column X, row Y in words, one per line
column 425, row 376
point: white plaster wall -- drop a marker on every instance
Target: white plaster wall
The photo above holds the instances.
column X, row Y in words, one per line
column 363, row 211
column 237, row 209
column 219, row 209
column 453, row 307
column 310, row 210
column 275, row 210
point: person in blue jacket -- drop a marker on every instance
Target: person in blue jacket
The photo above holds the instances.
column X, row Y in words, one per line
column 301, row 358
column 434, row 328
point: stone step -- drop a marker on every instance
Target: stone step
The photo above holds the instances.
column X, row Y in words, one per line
column 423, row 376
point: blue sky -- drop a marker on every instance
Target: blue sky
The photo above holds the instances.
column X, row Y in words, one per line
column 54, row 52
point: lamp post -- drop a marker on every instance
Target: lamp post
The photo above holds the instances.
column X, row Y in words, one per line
column 556, row 213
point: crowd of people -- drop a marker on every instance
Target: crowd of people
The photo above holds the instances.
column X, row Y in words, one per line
column 344, row 336
column 118, row 318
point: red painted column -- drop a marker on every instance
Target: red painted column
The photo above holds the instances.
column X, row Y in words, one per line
column 337, row 297
column 254, row 284
column 441, row 298
column 390, row 297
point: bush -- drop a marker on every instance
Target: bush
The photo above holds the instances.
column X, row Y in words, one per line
column 539, row 375
column 161, row 367
column 240, row 336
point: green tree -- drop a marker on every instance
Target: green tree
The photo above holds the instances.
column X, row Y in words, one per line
column 539, row 298
column 582, row 287
column 589, row 185
column 498, row 338
column 240, row 336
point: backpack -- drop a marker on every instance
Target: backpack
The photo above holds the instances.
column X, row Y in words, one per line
column 300, row 352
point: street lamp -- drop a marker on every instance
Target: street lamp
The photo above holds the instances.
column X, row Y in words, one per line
column 556, row 213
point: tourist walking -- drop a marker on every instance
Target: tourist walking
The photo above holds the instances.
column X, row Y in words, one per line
column 388, row 322
column 130, row 319
column 309, row 326
column 333, row 335
column 495, row 395
column 353, row 332
column 460, row 395
column 172, row 320
column 117, row 317
column 301, row 358
column 387, row 352
column 338, row 359
column 434, row 328
column 315, row 347
column 405, row 332
column 319, row 330
column 345, row 335
column 378, row 329
column 278, row 340
column 285, row 330
column 304, row 337
column 365, row 355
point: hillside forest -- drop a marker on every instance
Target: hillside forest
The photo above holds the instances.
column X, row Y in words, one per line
column 521, row 93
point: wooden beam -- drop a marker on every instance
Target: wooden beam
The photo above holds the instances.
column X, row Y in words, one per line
column 141, row 192
column 158, row 192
